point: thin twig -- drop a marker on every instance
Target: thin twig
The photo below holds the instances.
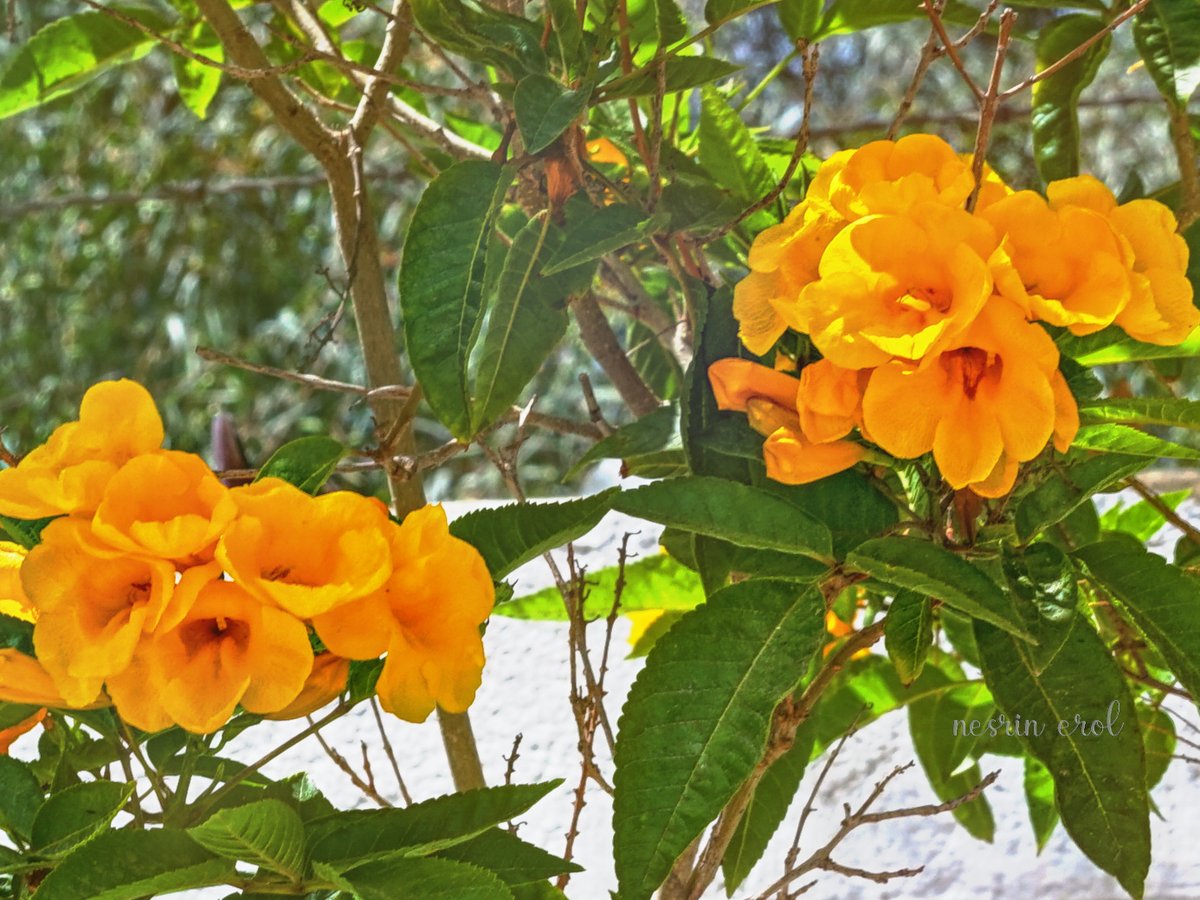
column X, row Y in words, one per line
column 951, row 47
column 367, row 787
column 991, row 100
column 389, row 752
column 1189, row 530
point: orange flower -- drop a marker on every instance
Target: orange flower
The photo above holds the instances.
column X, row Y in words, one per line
column 25, row 680
column 326, row 681
column 602, row 150
column 1065, row 266
column 229, row 648
column 92, row 607
column 68, row 474
column 829, row 401
column 306, row 554
column 989, row 395
column 896, row 286
column 9, row 735
column 736, row 381
column 13, row 601
column 165, row 504
column 793, row 459
column 426, row 618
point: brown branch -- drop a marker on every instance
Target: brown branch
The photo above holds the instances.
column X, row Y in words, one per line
column 991, row 100
column 390, row 752
column 1189, row 530
column 951, row 47
column 602, row 343
column 1185, row 154
column 367, row 786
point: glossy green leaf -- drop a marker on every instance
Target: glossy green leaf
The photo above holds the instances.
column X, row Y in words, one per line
column 509, row 536
column 429, row 879
column 921, row 566
column 441, row 281
column 1112, row 346
column 908, row 634
column 1069, row 487
column 729, row 511
column 126, row 865
column 678, row 763
column 848, row 504
column 1113, row 438
column 728, row 151
column 1167, row 35
column 267, row 834
column 68, row 53
column 1141, row 520
column 670, row 22
column 20, row 796
column 1099, row 777
column 1039, row 798
column 593, row 231
column 76, row 814
column 198, row 83
column 544, row 109
column 1159, row 597
column 348, row 838
column 657, row 582
column 1173, row 411
column 512, row 860
column 1055, row 116
column 682, row 72
column 305, row 463
column 651, row 433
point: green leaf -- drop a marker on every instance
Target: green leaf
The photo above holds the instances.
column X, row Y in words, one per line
column 728, row 151
column 1070, row 487
column 1111, row 438
column 1141, row 520
column 305, row 463
column 800, row 18
column 683, row 72
column 730, row 511
column 671, row 24
column 908, row 634
column 68, row 53
column 677, row 762
column 441, row 281
column 1112, row 346
column 716, row 11
column 26, row 532
column 76, row 814
column 592, row 231
column 651, row 433
column 512, row 860
column 657, row 582
column 1167, row 35
column 14, row 713
column 429, row 879
column 484, row 34
column 918, row 565
column 1158, row 734
column 347, row 838
column 20, row 797
column 1159, row 597
column 1055, row 117
column 16, row 634
column 848, row 16
column 848, row 503
column 267, row 834
column 1039, row 797
column 545, row 109
column 1171, row 411
column 509, row 536
column 197, row 82
column 1099, row 778
column 126, row 865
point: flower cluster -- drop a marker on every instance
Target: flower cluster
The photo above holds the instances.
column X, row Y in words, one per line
column 925, row 314
column 157, row 587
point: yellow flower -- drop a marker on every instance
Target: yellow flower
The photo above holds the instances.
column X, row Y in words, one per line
column 166, row 504
column 829, row 401
column 792, row 459
column 991, row 394
column 1065, row 266
column 426, row 618
column 306, row 554
column 13, row 601
column 896, row 286
column 326, row 681
column 68, row 474
column 25, row 680
column 1160, row 308
column 92, row 607
column 229, row 648
column 602, row 150
column 736, row 381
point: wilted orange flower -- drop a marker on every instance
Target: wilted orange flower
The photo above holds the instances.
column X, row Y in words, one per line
column 92, row 607
column 13, row 601
column 229, row 648
column 426, row 618
column 68, row 474
column 896, row 286
column 991, row 393
column 325, row 682
column 306, row 554
column 1160, row 308
column 1065, row 266
column 166, row 504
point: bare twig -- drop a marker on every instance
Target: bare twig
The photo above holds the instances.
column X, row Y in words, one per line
column 1190, row 530
column 510, row 761
column 991, row 99
column 367, row 787
column 390, row 753
column 1189, row 178
column 951, row 47
column 595, row 414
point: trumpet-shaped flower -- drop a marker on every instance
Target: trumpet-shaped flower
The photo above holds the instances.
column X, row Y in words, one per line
column 68, row 474
column 988, row 400
column 324, row 683
column 829, row 401
column 25, row 680
column 896, row 286
column 426, row 618
column 13, row 601
column 165, row 504
column 306, row 554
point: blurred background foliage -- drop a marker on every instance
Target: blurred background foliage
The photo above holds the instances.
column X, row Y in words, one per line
column 132, row 231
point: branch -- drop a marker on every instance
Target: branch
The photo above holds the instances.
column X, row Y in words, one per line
column 1189, row 178
column 602, row 343
column 991, row 100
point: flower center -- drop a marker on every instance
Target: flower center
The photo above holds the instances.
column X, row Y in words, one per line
column 970, row 365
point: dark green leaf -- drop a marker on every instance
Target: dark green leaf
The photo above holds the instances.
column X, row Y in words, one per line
column 26, row 532
column 848, row 503
column 1160, row 598
column 306, row 463
column 678, row 763
column 429, row 879
column 16, row 634
column 908, row 634
column 716, row 11
column 1111, row 438
column 592, row 231
column 14, row 713
column 1039, row 797
column 509, row 536
column 1070, row 487
column 545, row 108
column 1055, row 116
column 683, row 72
column 484, row 34
column 729, row 511
column 513, row 860
column 657, row 431
column 728, row 151
column 1167, row 34
column 76, row 814
column 126, row 865
column 267, row 834
column 671, row 24
column 918, row 565
column 441, row 277
column 20, row 796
